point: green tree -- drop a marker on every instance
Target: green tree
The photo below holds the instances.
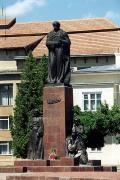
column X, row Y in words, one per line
column 98, row 124
column 29, row 97
column 114, row 124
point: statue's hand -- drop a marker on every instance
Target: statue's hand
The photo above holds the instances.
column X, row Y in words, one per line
column 52, row 46
column 38, row 134
column 57, row 43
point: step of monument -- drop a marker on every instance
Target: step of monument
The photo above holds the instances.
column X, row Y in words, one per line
column 13, row 169
column 64, row 161
column 28, row 162
column 94, row 162
column 68, row 176
column 21, row 169
column 70, row 168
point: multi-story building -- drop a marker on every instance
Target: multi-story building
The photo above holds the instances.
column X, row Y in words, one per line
column 95, row 65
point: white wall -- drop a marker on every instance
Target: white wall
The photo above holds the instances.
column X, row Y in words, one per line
column 8, row 65
column 106, row 94
column 109, row 154
column 117, row 58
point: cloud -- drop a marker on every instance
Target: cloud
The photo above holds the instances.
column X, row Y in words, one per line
column 22, row 7
column 112, row 15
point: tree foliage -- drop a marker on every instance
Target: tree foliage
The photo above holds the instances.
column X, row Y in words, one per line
column 29, row 97
column 98, row 124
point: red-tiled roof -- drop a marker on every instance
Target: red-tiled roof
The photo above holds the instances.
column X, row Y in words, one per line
column 69, row 26
column 95, row 43
column 6, row 23
column 41, row 49
column 18, row 42
column 88, row 43
column 107, row 40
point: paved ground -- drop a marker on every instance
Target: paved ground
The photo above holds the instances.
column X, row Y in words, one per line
column 71, row 174
column 66, row 175
column 3, row 175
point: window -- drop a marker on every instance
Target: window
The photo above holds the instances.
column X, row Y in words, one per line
column 4, row 123
column 96, row 59
column 99, row 149
column 106, row 59
column 6, row 95
column 91, row 101
column 74, row 61
column 5, row 147
column 6, row 51
column 85, row 61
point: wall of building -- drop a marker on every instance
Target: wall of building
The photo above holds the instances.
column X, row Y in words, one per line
column 106, row 94
column 8, row 65
column 6, row 111
column 108, row 85
column 109, row 154
column 95, row 78
column 9, row 54
column 7, row 61
column 92, row 61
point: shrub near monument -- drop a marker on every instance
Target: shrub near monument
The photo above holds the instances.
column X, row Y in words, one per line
column 97, row 125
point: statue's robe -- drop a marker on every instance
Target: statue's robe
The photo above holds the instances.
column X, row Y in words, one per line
column 35, row 146
column 58, row 44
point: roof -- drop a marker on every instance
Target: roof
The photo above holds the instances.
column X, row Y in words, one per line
column 88, row 43
column 7, row 23
column 95, row 43
column 68, row 25
column 19, row 42
column 88, row 36
column 106, row 68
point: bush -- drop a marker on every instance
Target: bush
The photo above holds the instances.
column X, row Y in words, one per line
column 98, row 124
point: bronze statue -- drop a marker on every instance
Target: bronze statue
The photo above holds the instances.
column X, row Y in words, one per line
column 58, row 44
column 75, row 146
column 35, row 148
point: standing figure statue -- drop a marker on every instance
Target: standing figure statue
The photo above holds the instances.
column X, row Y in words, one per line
column 58, row 44
column 35, row 148
column 75, row 146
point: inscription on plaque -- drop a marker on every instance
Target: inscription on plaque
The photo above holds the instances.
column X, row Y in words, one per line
column 53, row 100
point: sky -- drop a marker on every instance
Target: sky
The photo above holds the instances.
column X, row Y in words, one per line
column 47, row 10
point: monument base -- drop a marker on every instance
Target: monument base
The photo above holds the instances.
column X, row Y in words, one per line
column 65, row 164
column 57, row 117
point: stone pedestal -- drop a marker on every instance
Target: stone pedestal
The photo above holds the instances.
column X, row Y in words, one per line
column 57, row 117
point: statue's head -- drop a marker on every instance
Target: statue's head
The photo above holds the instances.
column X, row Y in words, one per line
column 56, row 25
column 80, row 129
column 36, row 123
column 74, row 130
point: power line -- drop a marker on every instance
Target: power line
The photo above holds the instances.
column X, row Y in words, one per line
column 5, row 17
column 3, row 14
